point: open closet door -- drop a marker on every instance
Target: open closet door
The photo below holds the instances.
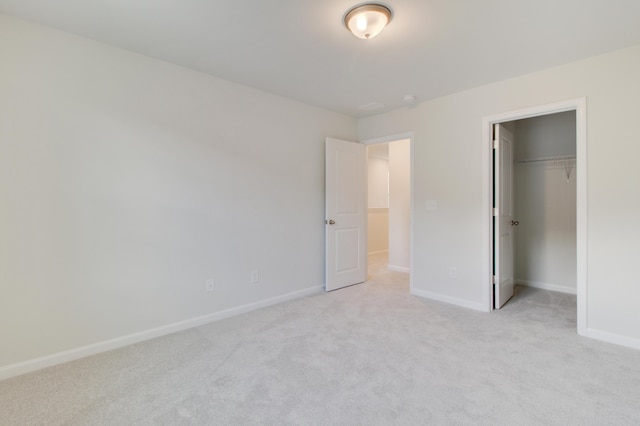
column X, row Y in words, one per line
column 503, row 216
column 346, row 213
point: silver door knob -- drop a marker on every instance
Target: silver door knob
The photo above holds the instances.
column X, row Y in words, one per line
column 330, row 222
column 515, row 223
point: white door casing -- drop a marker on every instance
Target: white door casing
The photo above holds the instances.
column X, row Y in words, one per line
column 346, row 213
column 503, row 213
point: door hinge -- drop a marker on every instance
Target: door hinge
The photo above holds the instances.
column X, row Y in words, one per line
column 493, row 279
column 495, row 211
column 495, row 144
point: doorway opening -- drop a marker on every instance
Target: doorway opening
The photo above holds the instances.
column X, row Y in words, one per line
column 346, row 209
column 389, row 200
column 546, row 223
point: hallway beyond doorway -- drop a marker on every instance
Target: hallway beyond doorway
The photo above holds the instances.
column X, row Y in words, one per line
column 378, row 271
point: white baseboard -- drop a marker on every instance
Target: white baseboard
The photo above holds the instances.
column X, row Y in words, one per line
column 616, row 339
column 546, row 286
column 451, row 300
column 378, row 252
column 398, row 268
column 119, row 342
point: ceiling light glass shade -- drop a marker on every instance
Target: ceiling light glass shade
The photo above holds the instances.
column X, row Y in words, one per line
column 368, row 20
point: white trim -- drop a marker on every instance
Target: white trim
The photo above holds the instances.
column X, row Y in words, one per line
column 616, row 339
column 535, row 111
column 580, row 107
column 393, row 138
column 581, row 214
column 451, row 300
column 119, row 342
column 547, row 286
column 390, row 138
column 399, row 268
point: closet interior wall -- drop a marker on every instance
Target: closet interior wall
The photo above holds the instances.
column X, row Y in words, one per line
column 545, row 201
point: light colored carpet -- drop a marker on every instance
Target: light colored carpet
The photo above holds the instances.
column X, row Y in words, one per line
column 366, row 355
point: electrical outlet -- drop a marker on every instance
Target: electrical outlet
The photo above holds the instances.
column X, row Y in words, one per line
column 255, row 276
column 209, row 286
column 453, row 273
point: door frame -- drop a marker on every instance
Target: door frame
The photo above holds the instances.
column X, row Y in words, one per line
column 393, row 138
column 579, row 105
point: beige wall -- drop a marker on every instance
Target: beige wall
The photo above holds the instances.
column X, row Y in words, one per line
column 378, row 183
column 378, row 231
column 378, row 200
column 449, row 168
column 399, row 204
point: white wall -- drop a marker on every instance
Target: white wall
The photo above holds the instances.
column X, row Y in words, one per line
column 546, row 136
column 545, row 203
column 399, row 204
column 448, row 168
column 127, row 182
column 545, row 240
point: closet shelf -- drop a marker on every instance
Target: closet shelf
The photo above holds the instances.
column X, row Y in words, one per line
column 547, row 159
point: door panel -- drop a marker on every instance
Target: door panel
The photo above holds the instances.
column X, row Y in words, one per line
column 347, row 256
column 503, row 229
column 346, row 213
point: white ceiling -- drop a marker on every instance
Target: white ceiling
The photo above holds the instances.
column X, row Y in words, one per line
column 301, row 50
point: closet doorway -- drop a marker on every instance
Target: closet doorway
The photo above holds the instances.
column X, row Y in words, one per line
column 548, row 215
column 544, row 183
column 541, row 222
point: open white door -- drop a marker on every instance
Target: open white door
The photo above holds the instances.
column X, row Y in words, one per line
column 503, row 216
column 346, row 213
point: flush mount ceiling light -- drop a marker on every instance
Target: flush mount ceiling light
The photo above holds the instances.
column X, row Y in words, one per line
column 367, row 20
